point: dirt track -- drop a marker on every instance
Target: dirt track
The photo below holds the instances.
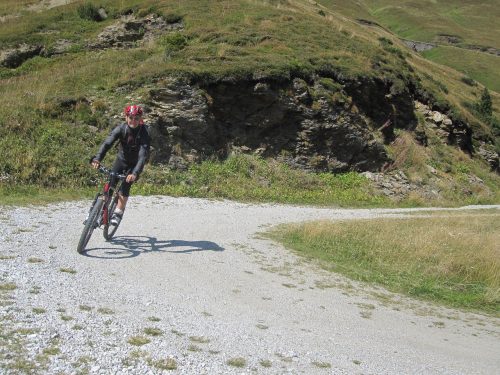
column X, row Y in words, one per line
column 221, row 293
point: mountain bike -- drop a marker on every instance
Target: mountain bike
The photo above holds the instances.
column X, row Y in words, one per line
column 102, row 209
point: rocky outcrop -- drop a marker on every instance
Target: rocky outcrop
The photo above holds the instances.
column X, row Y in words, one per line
column 298, row 122
column 125, row 33
column 12, row 58
column 396, row 185
column 488, row 153
column 449, row 131
column 129, row 30
column 418, row 46
column 60, row 47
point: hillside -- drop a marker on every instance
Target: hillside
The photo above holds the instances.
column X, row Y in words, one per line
column 315, row 86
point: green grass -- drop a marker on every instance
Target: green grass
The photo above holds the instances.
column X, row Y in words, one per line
column 452, row 260
column 254, row 179
column 13, row 6
column 249, row 178
column 242, row 177
column 24, row 195
column 480, row 66
column 474, row 22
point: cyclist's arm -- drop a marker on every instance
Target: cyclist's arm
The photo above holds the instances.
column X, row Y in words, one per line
column 142, row 158
column 108, row 142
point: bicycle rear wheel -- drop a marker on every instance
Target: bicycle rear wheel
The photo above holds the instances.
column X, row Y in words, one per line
column 90, row 225
column 110, row 230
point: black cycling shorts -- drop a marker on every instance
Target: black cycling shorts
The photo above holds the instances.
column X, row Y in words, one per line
column 123, row 168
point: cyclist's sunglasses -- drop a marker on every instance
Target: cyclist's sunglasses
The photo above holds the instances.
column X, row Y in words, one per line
column 138, row 117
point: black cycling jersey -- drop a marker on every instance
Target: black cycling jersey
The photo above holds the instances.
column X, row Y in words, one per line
column 133, row 147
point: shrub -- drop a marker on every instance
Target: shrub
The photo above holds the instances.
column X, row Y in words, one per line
column 89, row 11
column 173, row 18
column 484, row 105
column 384, row 41
column 468, row 81
column 173, row 43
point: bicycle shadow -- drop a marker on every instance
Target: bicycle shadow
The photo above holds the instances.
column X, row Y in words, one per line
column 133, row 246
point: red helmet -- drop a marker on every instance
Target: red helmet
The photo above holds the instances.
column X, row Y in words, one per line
column 133, row 110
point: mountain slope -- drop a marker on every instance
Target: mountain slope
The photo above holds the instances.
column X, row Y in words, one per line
column 58, row 104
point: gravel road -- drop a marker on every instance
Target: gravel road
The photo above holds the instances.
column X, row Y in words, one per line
column 194, row 278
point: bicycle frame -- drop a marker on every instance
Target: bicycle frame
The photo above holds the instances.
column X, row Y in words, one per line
column 99, row 211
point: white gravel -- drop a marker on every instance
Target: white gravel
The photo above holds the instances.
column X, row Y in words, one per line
column 201, row 267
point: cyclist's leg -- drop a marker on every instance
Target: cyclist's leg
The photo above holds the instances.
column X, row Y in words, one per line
column 123, row 193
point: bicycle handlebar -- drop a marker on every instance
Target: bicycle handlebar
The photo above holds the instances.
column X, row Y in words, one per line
column 110, row 172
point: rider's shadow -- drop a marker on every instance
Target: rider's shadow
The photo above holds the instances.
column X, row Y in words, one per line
column 133, row 246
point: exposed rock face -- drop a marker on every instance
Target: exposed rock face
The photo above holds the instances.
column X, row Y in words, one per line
column 60, row 47
column 13, row 58
column 397, row 186
column 491, row 156
column 296, row 121
column 453, row 133
column 129, row 30
column 418, row 46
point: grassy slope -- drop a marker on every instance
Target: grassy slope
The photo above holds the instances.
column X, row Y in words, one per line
column 474, row 22
column 450, row 259
column 480, row 66
column 228, row 38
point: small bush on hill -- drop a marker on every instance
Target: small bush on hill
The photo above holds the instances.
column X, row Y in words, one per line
column 468, row 81
column 173, row 18
column 173, row 43
column 89, row 11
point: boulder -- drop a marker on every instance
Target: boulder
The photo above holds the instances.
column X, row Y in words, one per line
column 487, row 153
column 437, row 117
column 130, row 30
column 102, row 14
column 447, row 122
column 12, row 58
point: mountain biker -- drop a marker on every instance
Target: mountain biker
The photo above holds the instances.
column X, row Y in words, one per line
column 134, row 145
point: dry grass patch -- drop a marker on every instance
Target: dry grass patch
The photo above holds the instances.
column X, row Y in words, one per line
column 152, row 331
column 165, row 364
column 199, row 339
column 7, row 257
column 455, row 260
column 105, row 311
column 237, row 362
column 85, row 308
column 35, row 260
column 322, row 364
column 138, row 340
column 67, row 270
column 7, row 286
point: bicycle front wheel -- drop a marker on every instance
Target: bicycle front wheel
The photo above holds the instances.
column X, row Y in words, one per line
column 90, row 225
column 110, row 230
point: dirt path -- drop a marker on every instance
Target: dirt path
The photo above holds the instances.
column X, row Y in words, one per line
column 221, row 294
